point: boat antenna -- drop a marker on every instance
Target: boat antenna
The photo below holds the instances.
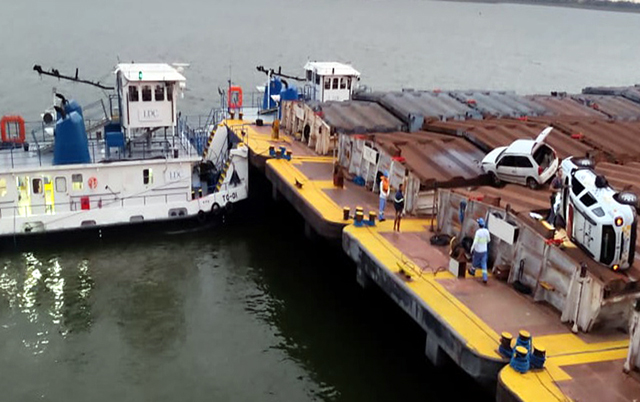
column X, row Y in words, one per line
column 278, row 73
column 55, row 73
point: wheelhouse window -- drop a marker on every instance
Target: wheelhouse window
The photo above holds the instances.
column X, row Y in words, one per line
column 147, row 176
column 61, row 184
column 335, row 83
column 159, row 93
column 36, row 186
column 327, row 83
column 169, row 92
column 76, row 180
column 349, row 83
column 3, row 187
column 133, row 93
column 317, row 79
column 146, row 93
column 309, row 75
column 343, row 83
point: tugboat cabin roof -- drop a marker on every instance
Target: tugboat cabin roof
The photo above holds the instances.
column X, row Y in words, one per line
column 157, row 72
column 331, row 68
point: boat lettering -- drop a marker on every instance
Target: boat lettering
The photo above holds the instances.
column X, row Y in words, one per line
column 230, row 197
column 175, row 175
column 149, row 115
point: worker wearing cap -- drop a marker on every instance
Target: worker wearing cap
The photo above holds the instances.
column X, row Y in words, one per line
column 480, row 250
column 384, row 194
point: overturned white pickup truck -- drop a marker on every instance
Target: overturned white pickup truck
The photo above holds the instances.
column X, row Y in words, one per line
column 599, row 219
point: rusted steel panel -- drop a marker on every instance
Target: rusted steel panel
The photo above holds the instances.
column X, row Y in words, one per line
column 499, row 103
column 493, row 133
column 438, row 160
column 617, row 139
column 428, row 104
column 616, row 107
column 351, row 117
column 563, row 105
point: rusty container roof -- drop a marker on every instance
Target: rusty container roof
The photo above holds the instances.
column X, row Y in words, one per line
column 562, row 105
column 435, row 159
column 427, row 104
column 356, row 117
column 615, row 107
column 631, row 92
column 617, row 139
column 499, row 103
column 489, row 134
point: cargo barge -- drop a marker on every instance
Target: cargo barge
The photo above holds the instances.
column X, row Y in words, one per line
column 578, row 316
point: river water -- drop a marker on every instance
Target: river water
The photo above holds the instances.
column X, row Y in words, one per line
column 253, row 311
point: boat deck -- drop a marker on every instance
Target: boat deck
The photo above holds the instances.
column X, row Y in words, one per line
column 462, row 314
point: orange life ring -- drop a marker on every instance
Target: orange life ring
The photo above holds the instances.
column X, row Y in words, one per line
column 21, row 131
column 235, row 98
column 93, row 183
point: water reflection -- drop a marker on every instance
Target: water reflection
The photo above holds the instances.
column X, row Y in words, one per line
column 51, row 297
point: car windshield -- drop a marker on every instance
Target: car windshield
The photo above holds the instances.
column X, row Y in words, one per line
column 543, row 156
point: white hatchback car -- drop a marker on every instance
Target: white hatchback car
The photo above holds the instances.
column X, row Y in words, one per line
column 527, row 161
column 600, row 220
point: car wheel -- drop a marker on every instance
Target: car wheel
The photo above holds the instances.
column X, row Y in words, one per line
column 495, row 180
column 627, row 198
column 583, row 163
column 532, row 183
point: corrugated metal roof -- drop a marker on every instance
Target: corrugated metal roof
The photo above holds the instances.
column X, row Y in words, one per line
column 564, row 106
column 435, row 159
column 632, row 92
column 616, row 107
column 357, row 117
column 489, row 134
column 521, row 199
column 427, row 104
column 499, row 103
column 622, row 177
column 618, row 139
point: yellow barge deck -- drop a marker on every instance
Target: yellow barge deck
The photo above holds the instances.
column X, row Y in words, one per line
column 462, row 317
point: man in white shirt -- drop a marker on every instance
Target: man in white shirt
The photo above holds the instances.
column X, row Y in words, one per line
column 480, row 250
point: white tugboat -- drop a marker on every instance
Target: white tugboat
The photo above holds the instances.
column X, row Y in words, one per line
column 141, row 165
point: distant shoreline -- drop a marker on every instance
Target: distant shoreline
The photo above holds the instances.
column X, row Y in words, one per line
column 625, row 7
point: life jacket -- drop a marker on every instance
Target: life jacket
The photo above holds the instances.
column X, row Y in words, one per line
column 385, row 184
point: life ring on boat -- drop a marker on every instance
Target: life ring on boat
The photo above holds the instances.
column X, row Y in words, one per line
column 92, row 182
column 21, row 131
column 235, row 98
column 202, row 217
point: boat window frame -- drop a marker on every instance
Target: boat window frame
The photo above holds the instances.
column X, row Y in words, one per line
column 61, row 182
column 327, row 83
column 147, row 93
column 3, row 187
column 134, row 93
column 343, row 83
column 335, row 83
column 159, row 89
column 37, row 186
column 147, row 176
column 77, row 185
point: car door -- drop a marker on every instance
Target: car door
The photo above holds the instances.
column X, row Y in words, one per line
column 506, row 169
column 524, row 169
